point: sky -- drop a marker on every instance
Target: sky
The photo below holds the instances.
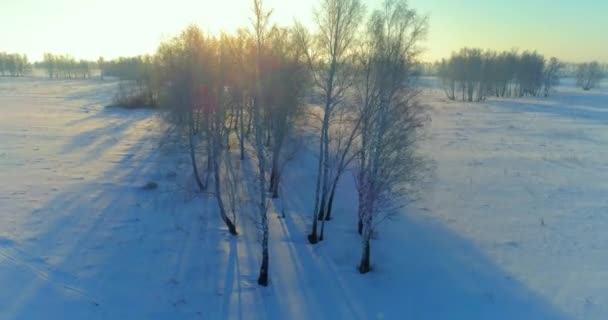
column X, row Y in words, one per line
column 572, row 30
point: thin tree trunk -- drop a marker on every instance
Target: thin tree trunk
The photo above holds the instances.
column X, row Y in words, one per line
column 322, row 233
column 249, row 120
column 263, row 278
column 209, row 162
column 275, row 174
column 330, row 203
column 218, row 192
column 324, row 188
column 364, row 265
column 200, row 184
column 312, row 237
column 242, row 127
column 274, row 182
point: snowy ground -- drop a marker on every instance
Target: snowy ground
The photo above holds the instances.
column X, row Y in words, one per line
column 512, row 226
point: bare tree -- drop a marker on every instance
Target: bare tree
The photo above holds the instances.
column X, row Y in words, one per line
column 241, row 82
column 284, row 89
column 387, row 163
column 588, row 75
column 182, row 65
column 551, row 75
column 260, row 25
column 330, row 61
column 193, row 84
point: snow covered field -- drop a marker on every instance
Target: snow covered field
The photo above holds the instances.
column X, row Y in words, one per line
column 512, row 226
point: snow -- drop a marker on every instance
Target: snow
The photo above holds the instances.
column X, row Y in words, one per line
column 509, row 225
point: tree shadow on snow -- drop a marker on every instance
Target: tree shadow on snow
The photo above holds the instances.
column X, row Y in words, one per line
column 591, row 106
column 107, row 249
column 422, row 270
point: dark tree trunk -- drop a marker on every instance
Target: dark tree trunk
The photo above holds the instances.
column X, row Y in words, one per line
column 230, row 225
column 242, row 136
column 200, row 184
column 218, row 196
column 321, row 234
column 209, row 166
column 330, row 203
column 359, row 215
column 321, row 214
column 275, row 175
column 249, row 124
column 364, row 265
column 274, row 183
column 312, row 237
column 263, row 278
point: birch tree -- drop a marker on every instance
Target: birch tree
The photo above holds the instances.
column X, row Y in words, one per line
column 330, row 58
column 284, row 89
column 260, row 24
column 387, row 166
column 193, row 85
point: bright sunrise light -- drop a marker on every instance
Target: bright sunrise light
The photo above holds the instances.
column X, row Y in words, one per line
column 111, row 28
column 304, row 159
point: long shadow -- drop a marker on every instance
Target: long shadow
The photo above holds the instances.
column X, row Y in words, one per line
column 96, row 92
column 422, row 270
column 584, row 106
column 100, row 139
column 107, row 249
column 104, row 248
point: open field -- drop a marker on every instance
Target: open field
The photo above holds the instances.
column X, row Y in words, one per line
column 512, row 224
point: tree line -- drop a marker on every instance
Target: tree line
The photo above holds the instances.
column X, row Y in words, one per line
column 242, row 98
column 14, row 64
column 474, row 74
column 63, row 66
column 126, row 68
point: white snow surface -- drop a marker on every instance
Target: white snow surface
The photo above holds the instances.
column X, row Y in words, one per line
column 511, row 225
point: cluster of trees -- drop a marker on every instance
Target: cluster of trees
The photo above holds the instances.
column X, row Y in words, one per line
column 142, row 74
column 66, row 67
column 242, row 96
column 474, row 74
column 13, row 64
column 589, row 75
column 127, row 68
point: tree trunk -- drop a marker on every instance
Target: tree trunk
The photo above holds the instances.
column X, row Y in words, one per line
column 249, row 124
column 330, row 203
column 274, row 182
column 263, row 278
column 364, row 265
column 218, row 195
column 321, row 214
column 242, row 127
column 312, row 237
column 359, row 213
column 200, row 184
column 275, row 175
column 209, row 164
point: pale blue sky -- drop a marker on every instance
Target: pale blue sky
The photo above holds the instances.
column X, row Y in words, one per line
column 571, row 30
